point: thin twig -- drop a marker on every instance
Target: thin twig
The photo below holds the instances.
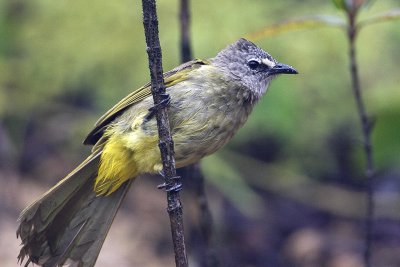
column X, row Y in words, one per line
column 193, row 174
column 366, row 126
column 194, row 183
column 172, row 183
column 186, row 48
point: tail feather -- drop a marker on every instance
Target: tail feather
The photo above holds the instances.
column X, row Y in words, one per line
column 46, row 207
column 88, row 245
column 69, row 223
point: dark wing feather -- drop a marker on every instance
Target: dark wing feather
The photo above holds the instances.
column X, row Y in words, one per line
column 172, row 77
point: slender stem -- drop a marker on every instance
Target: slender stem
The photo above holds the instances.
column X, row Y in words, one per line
column 366, row 131
column 193, row 174
column 195, row 185
column 166, row 145
column 186, row 50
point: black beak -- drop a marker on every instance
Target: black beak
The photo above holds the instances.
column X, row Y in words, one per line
column 281, row 68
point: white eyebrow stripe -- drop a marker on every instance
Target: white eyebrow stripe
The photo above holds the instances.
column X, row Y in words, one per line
column 268, row 62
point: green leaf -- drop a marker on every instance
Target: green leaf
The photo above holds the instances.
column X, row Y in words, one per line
column 352, row 5
column 340, row 4
column 393, row 14
column 297, row 24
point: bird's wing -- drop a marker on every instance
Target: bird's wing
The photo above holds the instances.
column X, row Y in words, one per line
column 171, row 78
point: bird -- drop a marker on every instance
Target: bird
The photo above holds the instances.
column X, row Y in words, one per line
column 209, row 101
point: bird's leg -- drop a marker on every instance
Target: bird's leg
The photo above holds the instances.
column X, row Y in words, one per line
column 165, row 101
column 175, row 187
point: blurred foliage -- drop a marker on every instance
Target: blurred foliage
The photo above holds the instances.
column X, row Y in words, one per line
column 73, row 57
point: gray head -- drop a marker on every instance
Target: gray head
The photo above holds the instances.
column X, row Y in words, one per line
column 251, row 65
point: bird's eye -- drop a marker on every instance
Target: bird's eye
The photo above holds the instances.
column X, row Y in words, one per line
column 253, row 64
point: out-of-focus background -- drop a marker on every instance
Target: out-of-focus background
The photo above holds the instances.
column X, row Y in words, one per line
column 287, row 191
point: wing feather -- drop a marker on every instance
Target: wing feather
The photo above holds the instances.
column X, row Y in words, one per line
column 171, row 78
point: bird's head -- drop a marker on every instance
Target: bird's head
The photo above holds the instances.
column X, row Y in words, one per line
column 251, row 65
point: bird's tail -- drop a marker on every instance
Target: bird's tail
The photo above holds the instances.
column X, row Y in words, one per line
column 69, row 223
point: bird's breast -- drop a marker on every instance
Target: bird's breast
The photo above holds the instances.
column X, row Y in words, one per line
column 205, row 118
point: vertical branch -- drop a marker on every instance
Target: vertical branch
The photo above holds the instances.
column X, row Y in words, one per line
column 366, row 126
column 195, row 185
column 186, row 50
column 193, row 172
column 172, row 182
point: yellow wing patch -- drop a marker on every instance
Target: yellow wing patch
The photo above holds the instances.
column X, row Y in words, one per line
column 125, row 157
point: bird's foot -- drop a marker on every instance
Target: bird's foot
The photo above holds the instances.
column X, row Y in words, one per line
column 176, row 186
column 165, row 101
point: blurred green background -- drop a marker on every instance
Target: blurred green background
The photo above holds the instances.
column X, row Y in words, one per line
column 287, row 191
